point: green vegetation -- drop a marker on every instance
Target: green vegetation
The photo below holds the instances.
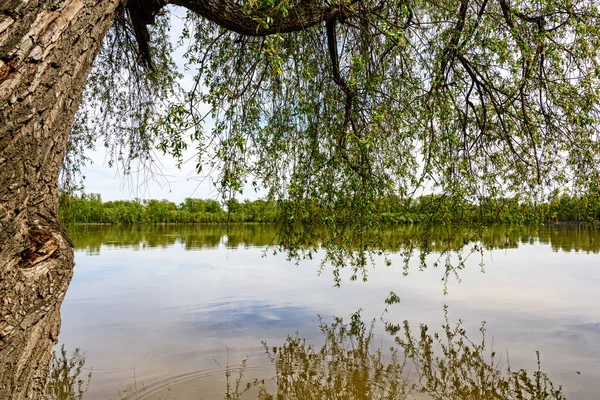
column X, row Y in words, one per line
column 92, row 210
column 391, row 211
column 333, row 108
column 449, row 227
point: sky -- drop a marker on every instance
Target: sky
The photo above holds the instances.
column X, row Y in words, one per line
column 171, row 183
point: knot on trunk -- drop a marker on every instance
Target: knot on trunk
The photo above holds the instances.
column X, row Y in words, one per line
column 42, row 244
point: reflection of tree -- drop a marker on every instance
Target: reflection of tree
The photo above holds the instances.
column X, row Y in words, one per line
column 436, row 366
column 66, row 380
column 462, row 369
column 560, row 237
column 444, row 246
column 400, row 238
column 345, row 367
column 193, row 237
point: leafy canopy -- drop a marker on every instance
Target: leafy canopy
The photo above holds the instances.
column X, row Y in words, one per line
column 472, row 99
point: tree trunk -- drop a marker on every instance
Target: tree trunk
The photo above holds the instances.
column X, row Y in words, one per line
column 46, row 52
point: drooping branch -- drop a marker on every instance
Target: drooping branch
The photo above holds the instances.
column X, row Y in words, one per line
column 350, row 95
column 451, row 49
column 232, row 16
column 335, row 65
column 143, row 13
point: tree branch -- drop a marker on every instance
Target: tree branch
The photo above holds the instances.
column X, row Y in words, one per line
column 337, row 78
column 349, row 104
column 231, row 16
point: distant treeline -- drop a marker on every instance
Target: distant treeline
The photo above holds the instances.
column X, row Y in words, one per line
column 428, row 208
column 438, row 208
column 91, row 209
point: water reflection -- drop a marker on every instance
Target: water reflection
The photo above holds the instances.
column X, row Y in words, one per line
column 347, row 366
column 350, row 364
column 141, row 301
column 68, row 379
column 440, row 366
column 561, row 237
column 163, row 311
column 195, row 237
column 145, row 305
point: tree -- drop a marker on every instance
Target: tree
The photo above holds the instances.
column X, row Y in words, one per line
column 331, row 102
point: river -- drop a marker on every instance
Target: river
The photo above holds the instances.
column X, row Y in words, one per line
column 164, row 312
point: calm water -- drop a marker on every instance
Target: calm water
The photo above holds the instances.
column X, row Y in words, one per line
column 163, row 311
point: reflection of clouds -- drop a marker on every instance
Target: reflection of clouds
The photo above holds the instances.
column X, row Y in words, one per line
column 592, row 328
column 568, row 336
column 256, row 319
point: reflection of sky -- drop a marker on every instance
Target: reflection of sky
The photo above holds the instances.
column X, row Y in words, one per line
column 166, row 311
column 232, row 320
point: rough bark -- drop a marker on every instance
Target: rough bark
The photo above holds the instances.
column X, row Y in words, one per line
column 46, row 52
